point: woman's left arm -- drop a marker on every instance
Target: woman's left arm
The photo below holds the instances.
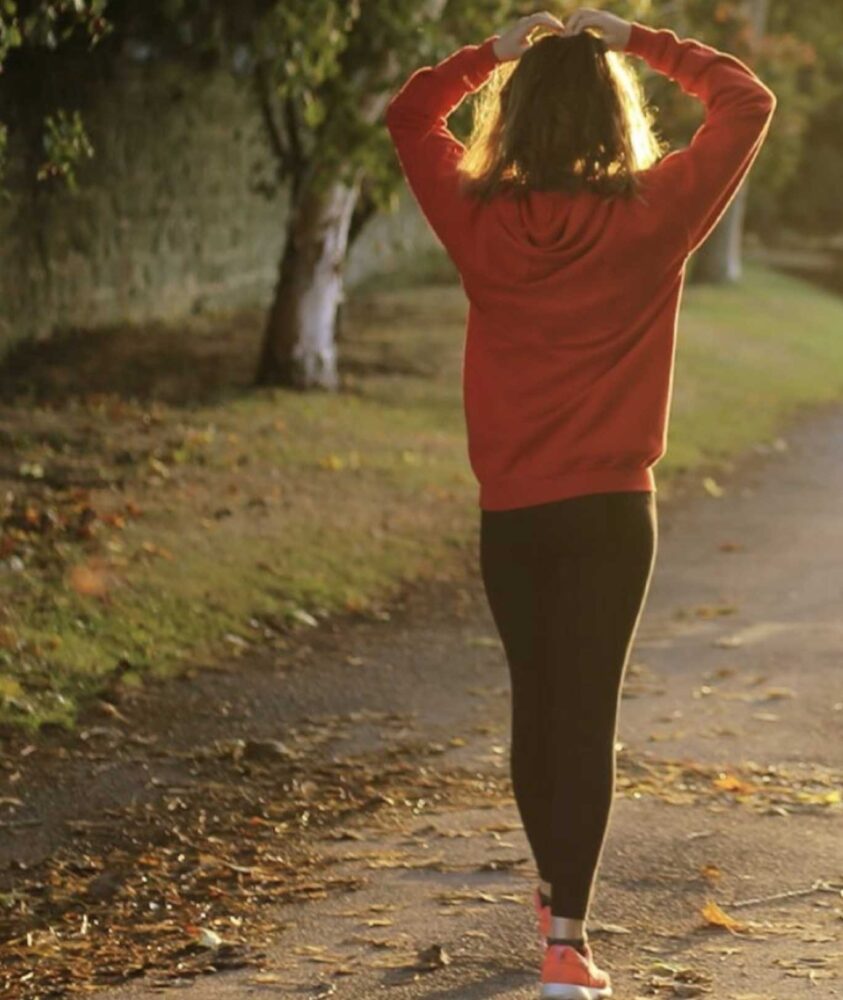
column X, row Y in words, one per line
column 428, row 151
column 417, row 121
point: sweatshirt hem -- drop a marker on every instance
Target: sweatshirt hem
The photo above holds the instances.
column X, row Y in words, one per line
column 511, row 493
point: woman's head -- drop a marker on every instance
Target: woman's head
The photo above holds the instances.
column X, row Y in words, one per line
column 568, row 115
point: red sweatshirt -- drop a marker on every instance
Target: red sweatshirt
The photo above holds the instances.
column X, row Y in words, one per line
column 573, row 299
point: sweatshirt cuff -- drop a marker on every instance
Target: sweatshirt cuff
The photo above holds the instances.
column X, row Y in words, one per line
column 641, row 38
column 486, row 54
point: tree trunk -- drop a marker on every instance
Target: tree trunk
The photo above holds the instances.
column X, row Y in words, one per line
column 720, row 258
column 298, row 345
column 299, row 338
column 364, row 209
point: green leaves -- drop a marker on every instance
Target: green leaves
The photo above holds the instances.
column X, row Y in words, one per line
column 65, row 144
column 48, row 24
column 10, row 35
column 51, row 22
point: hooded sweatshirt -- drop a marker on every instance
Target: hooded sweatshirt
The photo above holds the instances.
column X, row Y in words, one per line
column 573, row 300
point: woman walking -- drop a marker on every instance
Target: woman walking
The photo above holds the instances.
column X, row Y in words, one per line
column 570, row 230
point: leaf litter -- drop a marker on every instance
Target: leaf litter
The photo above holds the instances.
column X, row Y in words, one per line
column 194, row 882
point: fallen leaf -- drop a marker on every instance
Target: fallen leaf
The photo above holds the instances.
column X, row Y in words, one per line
column 732, row 783
column 205, row 937
column 711, row 487
column 483, row 640
column 765, row 716
column 715, row 610
column 779, row 692
column 88, row 580
column 434, row 957
column 716, row 917
column 267, row 978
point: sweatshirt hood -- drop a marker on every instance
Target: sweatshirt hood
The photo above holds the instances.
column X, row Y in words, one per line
column 530, row 238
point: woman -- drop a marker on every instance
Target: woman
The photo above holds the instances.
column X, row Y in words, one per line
column 571, row 231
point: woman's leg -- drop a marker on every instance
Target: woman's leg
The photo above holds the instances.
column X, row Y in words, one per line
column 566, row 583
column 599, row 558
column 513, row 587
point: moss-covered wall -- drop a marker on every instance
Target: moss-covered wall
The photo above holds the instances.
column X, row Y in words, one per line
column 168, row 217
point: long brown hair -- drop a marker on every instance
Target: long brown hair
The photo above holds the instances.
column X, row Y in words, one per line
column 569, row 114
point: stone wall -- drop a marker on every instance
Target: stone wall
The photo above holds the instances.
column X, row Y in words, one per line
column 167, row 219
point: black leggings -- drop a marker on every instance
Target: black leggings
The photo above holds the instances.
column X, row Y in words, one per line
column 566, row 583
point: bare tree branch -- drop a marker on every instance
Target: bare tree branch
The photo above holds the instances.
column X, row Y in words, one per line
column 277, row 138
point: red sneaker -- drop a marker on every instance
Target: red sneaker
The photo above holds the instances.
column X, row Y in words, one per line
column 543, row 915
column 568, row 975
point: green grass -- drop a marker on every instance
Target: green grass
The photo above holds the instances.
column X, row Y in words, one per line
column 749, row 357
column 254, row 506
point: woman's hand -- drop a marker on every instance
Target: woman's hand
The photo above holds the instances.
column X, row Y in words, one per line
column 615, row 30
column 511, row 43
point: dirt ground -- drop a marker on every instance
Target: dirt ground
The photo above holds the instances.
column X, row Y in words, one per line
column 344, row 824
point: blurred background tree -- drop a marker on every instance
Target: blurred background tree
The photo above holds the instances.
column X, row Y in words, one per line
column 777, row 39
column 322, row 71
column 32, row 28
column 807, row 198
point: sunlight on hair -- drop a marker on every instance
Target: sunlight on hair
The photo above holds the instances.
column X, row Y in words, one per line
column 486, row 123
column 647, row 148
column 483, row 167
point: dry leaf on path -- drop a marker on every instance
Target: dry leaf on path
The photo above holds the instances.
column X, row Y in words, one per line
column 717, row 917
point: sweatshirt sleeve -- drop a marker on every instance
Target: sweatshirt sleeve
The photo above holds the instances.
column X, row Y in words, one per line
column 428, row 152
column 696, row 184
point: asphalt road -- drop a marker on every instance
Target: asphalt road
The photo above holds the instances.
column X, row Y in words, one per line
column 734, row 681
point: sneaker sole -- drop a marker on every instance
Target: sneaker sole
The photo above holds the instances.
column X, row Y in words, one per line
column 560, row 991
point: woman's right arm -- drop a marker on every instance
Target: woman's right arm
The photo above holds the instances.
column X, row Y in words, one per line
column 696, row 184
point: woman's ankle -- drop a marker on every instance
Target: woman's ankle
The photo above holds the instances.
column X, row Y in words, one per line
column 566, row 927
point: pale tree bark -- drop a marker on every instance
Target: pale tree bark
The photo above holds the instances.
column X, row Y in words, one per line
column 299, row 345
column 720, row 258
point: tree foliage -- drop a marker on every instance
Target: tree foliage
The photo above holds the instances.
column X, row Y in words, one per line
column 322, row 70
column 799, row 57
column 48, row 24
column 807, row 196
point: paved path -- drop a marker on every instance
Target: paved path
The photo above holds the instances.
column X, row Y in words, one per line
column 737, row 664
